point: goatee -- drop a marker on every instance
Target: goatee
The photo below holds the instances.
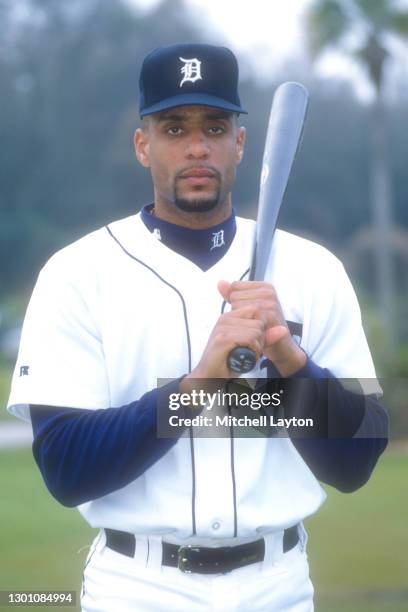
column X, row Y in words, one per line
column 199, row 205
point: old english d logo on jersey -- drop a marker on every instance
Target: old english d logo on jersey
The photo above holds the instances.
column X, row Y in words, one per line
column 217, row 240
column 191, row 70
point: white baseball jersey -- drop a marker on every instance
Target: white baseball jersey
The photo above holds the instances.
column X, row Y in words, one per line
column 117, row 310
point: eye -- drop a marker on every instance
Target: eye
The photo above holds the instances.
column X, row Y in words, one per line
column 216, row 129
column 174, row 130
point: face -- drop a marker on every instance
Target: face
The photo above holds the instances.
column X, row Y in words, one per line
column 192, row 153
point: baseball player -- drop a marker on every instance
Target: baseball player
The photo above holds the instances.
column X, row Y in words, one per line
column 188, row 522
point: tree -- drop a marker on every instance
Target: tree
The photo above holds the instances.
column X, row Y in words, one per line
column 331, row 24
column 68, row 81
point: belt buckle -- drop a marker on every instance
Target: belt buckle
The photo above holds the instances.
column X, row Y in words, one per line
column 184, row 558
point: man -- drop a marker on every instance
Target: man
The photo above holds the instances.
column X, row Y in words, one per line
column 189, row 522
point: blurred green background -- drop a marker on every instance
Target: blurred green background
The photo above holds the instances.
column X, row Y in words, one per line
column 357, row 545
column 68, row 83
column 69, row 93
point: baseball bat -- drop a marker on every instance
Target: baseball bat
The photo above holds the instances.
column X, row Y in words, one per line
column 283, row 137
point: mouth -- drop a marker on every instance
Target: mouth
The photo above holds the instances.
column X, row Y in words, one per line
column 198, row 173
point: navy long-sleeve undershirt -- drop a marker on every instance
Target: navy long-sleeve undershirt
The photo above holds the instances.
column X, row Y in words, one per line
column 85, row 454
column 333, row 451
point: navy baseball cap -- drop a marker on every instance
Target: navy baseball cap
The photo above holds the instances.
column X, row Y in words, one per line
column 187, row 74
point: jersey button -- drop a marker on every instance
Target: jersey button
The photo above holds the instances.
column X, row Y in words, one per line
column 216, row 525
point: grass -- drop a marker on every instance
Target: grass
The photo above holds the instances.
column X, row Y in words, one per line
column 6, row 371
column 41, row 541
column 357, row 545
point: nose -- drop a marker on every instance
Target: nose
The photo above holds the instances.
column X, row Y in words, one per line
column 197, row 146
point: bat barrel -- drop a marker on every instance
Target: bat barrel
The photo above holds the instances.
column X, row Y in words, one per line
column 283, row 138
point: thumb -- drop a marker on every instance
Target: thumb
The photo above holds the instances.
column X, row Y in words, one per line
column 275, row 334
column 224, row 289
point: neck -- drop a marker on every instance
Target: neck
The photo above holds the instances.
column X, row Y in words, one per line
column 192, row 220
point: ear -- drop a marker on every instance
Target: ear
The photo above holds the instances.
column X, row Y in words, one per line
column 240, row 144
column 141, row 144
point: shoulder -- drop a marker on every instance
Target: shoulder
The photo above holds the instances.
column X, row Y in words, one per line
column 308, row 271
column 302, row 252
column 88, row 253
column 295, row 252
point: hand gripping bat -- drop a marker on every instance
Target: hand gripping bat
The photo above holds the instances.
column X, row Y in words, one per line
column 285, row 128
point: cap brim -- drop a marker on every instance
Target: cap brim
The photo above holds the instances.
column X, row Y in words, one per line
column 190, row 100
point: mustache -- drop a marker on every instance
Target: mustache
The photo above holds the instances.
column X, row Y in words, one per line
column 201, row 170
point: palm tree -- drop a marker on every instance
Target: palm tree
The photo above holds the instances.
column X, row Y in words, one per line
column 331, row 24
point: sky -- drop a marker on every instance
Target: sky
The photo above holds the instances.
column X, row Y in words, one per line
column 269, row 25
column 269, row 32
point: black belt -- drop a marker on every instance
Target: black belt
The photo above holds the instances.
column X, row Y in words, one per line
column 200, row 559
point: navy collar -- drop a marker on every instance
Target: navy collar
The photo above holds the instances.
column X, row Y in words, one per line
column 204, row 247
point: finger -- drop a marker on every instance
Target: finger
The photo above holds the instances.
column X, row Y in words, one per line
column 228, row 338
column 265, row 305
column 250, row 311
column 249, row 340
column 224, row 288
column 236, row 322
column 269, row 310
column 255, row 295
column 276, row 334
column 249, row 285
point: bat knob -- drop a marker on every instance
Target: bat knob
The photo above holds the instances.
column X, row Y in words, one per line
column 241, row 360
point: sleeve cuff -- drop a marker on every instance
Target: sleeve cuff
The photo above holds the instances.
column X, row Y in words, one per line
column 312, row 370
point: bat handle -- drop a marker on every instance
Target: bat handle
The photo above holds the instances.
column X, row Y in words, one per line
column 241, row 360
